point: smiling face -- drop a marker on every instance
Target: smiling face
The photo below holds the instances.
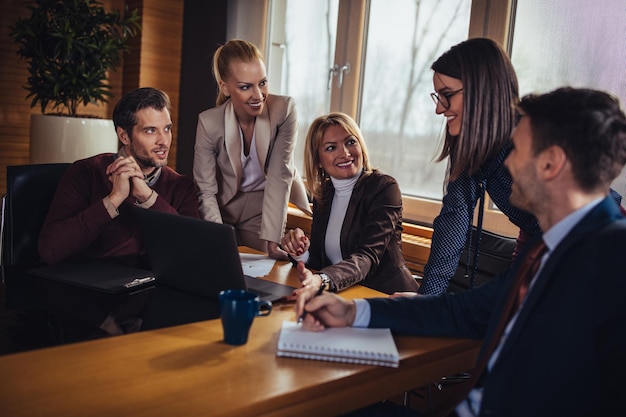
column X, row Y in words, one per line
column 445, row 86
column 150, row 140
column 522, row 164
column 340, row 153
column 247, row 88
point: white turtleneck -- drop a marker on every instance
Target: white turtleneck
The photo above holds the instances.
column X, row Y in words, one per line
column 341, row 199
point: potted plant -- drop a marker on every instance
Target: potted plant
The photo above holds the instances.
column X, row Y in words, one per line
column 70, row 47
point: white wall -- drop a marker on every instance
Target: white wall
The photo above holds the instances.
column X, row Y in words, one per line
column 246, row 20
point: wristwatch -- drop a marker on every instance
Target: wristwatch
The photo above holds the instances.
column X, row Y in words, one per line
column 327, row 283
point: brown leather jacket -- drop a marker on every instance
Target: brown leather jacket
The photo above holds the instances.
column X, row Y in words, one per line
column 371, row 237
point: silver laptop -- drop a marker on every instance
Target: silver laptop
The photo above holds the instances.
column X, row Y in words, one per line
column 198, row 256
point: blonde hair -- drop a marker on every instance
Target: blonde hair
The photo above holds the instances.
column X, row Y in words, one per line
column 233, row 50
column 315, row 175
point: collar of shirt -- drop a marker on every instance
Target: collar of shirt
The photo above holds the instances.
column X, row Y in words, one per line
column 345, row 186
column 552, row 238
column 557, row 233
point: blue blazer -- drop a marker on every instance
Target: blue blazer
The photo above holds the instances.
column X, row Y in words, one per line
column 566, row 354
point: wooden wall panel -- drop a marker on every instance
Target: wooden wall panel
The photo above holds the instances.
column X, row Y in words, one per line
column 14, row 109
column 161, row 49
column 157, row 65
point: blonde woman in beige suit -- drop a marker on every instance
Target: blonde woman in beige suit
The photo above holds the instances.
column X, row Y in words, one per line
column 243, row 161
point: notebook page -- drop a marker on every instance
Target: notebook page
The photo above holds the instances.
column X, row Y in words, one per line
column 347, row 344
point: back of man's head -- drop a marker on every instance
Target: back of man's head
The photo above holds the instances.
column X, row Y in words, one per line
column 138, row 99
column 588, row 125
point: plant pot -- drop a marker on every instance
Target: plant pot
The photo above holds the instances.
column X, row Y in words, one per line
column 66, row 139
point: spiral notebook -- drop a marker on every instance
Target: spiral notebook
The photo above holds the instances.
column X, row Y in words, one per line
column 346, row 344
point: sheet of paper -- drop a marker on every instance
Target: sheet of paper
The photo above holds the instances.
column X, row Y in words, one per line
column 256, row 265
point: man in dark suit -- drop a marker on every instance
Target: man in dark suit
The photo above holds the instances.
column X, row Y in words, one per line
column 561, row 352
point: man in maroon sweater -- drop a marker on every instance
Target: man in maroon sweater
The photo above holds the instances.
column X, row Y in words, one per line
column 90, row 215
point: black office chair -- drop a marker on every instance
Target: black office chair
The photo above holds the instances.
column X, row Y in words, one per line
column 30, row 189
column 29, row 192
column 495, row 255
column 47, row 313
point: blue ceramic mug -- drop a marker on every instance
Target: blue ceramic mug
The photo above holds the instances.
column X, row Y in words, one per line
column 237, row 310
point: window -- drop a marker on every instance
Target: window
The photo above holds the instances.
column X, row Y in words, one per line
column 594, row 56
column 397, row 115
column 586, row 47
column 371, row 59
column 301, row 51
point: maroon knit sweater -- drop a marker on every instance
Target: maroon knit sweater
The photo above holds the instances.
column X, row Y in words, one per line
column 78, row 224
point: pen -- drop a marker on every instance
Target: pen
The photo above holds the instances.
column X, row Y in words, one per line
column 293, row 260
column 320, row 291
column 138, row 281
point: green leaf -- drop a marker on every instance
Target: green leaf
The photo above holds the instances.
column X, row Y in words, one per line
column 70, row 46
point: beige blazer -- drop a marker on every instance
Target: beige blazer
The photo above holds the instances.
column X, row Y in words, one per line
column 217, row 163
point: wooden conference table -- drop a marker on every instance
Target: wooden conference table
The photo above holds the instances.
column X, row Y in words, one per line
column 187, row 370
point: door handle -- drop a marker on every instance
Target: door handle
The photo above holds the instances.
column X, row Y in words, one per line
column 339, row 73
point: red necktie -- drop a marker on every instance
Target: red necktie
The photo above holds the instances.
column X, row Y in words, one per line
column 527, row 271
column 517, row 293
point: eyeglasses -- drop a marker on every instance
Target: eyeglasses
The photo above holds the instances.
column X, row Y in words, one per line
column 444, row 98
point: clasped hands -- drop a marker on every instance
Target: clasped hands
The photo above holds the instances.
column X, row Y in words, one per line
column 295, row 242
column 127, row 178
column 285, row 249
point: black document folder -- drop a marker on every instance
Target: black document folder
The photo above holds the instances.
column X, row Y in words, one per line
column 97, row 274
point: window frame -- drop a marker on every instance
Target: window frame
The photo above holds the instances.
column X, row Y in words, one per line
column 488, row 18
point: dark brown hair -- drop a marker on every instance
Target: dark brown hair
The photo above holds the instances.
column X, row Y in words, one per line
column 588, row 125
column 124, row 113
column 490, row 92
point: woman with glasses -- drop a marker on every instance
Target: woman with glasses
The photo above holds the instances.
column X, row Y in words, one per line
column 243, row 162
column 475, row 89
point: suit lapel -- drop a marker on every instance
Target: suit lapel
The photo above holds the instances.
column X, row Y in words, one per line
column 322, row 215
column 605, row 212
column 232, row 138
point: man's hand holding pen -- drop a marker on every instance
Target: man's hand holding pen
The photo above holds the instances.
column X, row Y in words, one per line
column 325, row 310
column 317, row 309
column 319, row 292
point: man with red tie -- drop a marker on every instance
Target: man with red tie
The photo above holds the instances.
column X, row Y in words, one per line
column 552, row 329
